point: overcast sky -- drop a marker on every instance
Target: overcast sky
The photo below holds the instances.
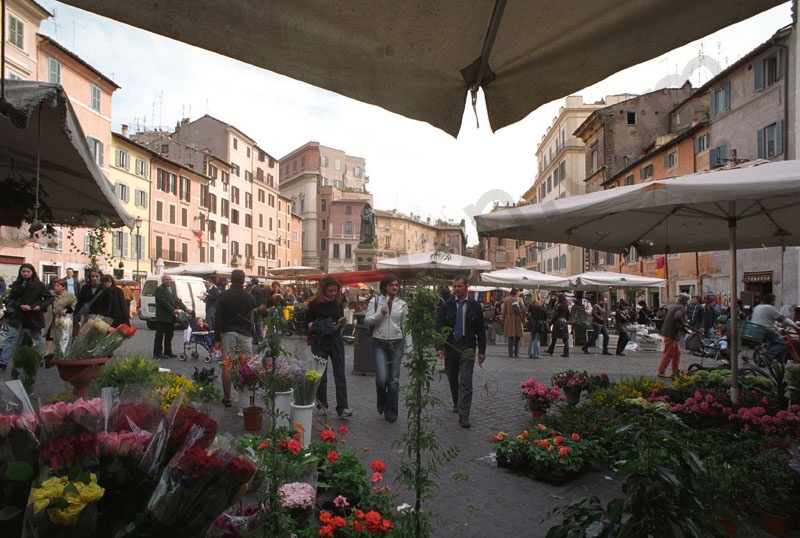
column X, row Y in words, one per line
column 413, row 167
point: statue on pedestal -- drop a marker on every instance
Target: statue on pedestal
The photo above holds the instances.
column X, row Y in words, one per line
column 367, row 238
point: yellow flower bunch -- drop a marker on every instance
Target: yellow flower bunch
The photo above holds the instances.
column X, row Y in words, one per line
column 627, row 389
column 170, row 385
column 77, row 494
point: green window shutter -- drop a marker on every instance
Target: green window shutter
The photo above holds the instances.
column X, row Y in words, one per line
column 761, row 144
column 758, row 72
column 778, row 137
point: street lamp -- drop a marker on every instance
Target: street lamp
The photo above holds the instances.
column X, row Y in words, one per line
column 138, row 223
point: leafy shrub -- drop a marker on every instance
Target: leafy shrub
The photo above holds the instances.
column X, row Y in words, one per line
column 130, row 371
column 615, row 395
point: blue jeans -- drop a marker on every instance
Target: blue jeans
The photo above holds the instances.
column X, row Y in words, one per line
column 388, row 360
column 14, row 339
column 211, row 312
column 776, row 345
column 598, row 330
column 533, row 347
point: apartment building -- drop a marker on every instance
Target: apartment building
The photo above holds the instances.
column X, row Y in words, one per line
column 399, row 234
column 23, row 18
column 322, row 182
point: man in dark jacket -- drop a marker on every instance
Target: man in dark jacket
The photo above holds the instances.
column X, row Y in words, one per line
column 168, row 304
column 233, row 325
column 465, row 317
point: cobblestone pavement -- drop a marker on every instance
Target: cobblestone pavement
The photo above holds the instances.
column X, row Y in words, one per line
column 474, row 498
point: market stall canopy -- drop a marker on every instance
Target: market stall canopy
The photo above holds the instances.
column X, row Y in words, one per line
column 291, row 272
column 519, row 277
column 610, row 279
column 351, row 278
column 685, row 214
column 750, row 206
column 420, row 58
column 432, row 261
column 201, row 269
column 38, row 117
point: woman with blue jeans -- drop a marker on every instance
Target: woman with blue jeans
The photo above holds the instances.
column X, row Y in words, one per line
column 386, row 314
column 26, row 304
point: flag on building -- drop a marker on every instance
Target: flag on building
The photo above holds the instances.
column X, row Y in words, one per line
column 661, row 267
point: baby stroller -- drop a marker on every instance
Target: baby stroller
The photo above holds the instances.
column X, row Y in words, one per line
column 197, row 341
column 699, row 345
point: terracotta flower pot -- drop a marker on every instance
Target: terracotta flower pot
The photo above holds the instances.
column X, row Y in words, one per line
column 775, row 524
column 253, row 418
column 79, row 373
column 537, row 413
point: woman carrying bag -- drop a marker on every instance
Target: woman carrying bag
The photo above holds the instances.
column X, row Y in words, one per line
column 386, row 314
column 537, row 325
column 63, row 306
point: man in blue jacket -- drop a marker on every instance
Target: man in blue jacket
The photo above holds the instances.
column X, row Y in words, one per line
column 464, row 316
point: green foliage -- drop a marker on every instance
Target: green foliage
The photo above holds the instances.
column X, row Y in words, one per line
column 793, row 374
column 25, row 360
column 660, row 496
column 423, row 453
column 202, row 388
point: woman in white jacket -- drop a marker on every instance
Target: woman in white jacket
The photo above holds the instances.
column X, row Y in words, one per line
column 386, row 314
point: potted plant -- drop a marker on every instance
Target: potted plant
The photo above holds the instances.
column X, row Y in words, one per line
column 793, row 375
column 572, row 383
column 775, row 484
column 597, row 382
column 538, row 397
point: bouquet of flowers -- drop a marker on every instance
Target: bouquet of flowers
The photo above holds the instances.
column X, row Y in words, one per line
column 95, row 339
column 196, row 487
column 64, row 506
column 19, row 453
column 234, row 364
column 538, row 396
column 571, row 379
column 306, row 377
column 278, row 374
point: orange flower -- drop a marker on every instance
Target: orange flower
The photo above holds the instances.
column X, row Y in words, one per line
column 526, row 434
column 343, row 430
column 563, row 451
column 576, row 437
column 327, row 436
column 557, row 440
column 541, row 427
column 378, row 466
column 332, row 456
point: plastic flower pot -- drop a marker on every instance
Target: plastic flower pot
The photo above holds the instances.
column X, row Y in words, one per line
column 79, row 373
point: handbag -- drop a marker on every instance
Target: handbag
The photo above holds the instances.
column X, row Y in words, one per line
column 544, row 327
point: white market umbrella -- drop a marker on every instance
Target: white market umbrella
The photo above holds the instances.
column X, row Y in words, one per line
column 420, row 58
column 292, row 271
column 755, row 205
column 200, row 269
column 519, row 277
column 433, row 261
column 609, row 279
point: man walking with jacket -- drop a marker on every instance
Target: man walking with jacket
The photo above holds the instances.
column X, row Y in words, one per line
column 465, row 317
column 233, row 325
column 167, row 306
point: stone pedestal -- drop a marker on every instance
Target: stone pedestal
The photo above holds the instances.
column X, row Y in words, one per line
column 366, row 256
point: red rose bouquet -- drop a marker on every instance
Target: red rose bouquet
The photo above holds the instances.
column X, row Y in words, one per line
column 195, row 488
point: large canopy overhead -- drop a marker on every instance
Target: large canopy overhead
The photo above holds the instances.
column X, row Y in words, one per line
column 201, row 269
column 420, row 58
column 37, row 117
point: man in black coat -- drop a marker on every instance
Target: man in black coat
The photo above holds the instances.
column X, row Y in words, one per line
column 465, row 317
column 233, row 325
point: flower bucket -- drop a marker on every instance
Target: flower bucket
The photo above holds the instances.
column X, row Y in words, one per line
column 302, row 421
column 244, row 401
column 573, row 395
column 775, row 524
column 252, row 418
column 283, row 408
column 79, row 373
column 536, row 414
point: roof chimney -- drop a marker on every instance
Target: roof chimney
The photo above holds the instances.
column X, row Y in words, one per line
column 125, row 131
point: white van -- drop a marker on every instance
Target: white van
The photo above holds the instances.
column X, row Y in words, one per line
column 189, row 289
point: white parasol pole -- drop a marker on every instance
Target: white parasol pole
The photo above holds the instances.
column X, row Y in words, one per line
column 734, row 318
